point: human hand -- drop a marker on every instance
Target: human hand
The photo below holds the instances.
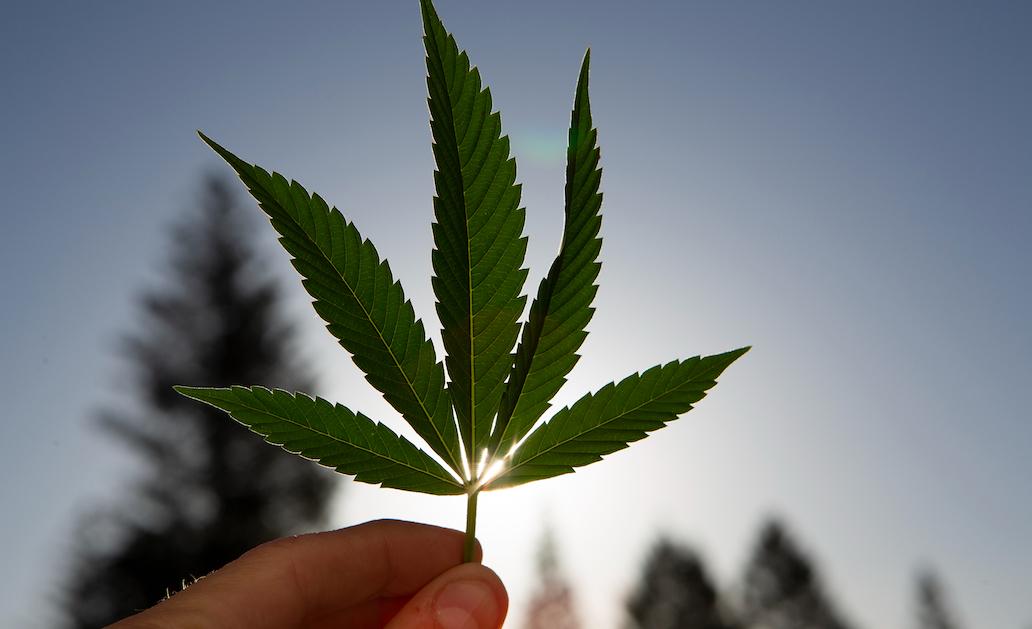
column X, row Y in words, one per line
column 380, row 575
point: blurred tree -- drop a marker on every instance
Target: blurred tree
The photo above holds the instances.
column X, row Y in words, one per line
column 552, row 605
column 211, row 490
column 782, row 589
column 675, row 593
column 933, row 610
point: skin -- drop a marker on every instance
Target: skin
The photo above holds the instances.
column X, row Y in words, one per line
column 380, row 575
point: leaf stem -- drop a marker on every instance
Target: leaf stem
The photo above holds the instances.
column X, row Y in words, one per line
column 471, row 526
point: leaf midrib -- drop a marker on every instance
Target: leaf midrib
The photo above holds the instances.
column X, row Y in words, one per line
column 450, row 122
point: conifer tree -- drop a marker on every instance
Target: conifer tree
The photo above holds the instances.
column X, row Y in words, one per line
column 933, row 609
column 209, row 490
column 675, row 592
column 552, row 606
column 782, row 588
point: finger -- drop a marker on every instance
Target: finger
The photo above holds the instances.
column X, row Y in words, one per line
column 469, row 596
column 285, row 582
column 374, row 614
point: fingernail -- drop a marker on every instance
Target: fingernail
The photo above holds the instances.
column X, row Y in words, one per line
column 466, row 605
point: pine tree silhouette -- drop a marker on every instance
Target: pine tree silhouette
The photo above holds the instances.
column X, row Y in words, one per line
column 933, row 610
column 782, row 589
column 552, row 605
column 675, row 593
column 211, row 490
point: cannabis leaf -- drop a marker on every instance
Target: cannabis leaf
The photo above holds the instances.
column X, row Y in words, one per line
column 335, row 436
column 362, row 304
column 562, row 308
column 618, row 414
column 477, row 423
column 477, row 235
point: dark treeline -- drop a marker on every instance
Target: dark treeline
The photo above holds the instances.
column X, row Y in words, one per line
column 780, row 587
column 209, row 490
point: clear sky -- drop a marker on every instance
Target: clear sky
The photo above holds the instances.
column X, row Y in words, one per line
column 846, row 188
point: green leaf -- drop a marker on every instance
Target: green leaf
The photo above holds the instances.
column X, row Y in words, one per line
column 332, row 435
column 479, row 247
column 609, row 420
column 562, row 309
column 362, row 304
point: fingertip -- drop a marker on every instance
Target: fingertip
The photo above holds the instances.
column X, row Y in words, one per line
column 487, row 576
column 467, row 605
column 470, row 596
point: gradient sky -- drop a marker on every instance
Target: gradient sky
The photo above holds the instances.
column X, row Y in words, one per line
column 847, row 189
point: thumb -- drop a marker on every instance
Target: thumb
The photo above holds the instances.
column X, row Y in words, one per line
column 469, row 596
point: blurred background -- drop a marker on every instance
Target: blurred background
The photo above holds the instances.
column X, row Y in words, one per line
column 846, row 188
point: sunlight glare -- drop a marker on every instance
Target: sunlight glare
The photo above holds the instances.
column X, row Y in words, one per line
column 493, row 471
column 482, row 464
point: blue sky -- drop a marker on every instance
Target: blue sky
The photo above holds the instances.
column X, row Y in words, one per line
column 845, row 188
